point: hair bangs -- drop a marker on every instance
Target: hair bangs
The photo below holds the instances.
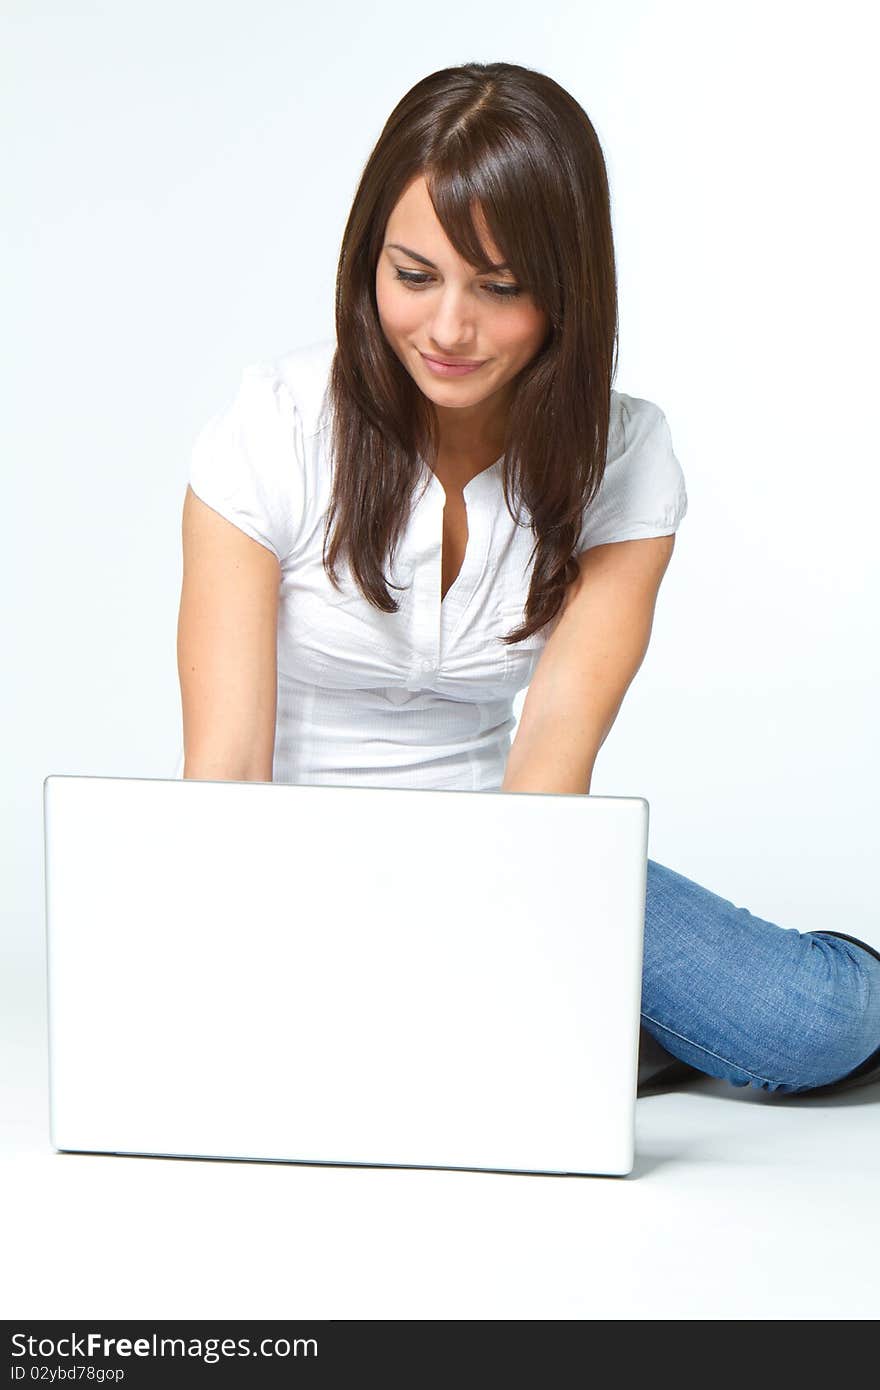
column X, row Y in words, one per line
column 487, row 197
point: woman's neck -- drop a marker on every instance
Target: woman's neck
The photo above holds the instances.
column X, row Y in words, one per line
column 473, row 436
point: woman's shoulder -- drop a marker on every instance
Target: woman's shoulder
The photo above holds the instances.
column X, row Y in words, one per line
column 633, row 420
column 643, row 491
column 289, row 387
column 255, row 461
column 304, row 373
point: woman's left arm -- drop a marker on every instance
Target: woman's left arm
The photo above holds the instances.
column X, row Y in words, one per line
column 587, row 666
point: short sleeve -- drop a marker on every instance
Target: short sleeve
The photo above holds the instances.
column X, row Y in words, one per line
column 643, row 491
column 247, row 462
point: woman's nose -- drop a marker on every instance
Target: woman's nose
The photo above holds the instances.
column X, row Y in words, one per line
column 453, row 321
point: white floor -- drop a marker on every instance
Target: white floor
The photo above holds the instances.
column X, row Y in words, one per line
column 741, row 1205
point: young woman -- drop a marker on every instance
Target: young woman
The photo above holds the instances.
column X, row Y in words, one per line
column 388, row 535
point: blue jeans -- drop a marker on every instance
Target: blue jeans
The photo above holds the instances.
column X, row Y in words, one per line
column 749, row 1002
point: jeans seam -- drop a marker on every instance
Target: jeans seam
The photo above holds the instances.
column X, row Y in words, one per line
column 709, row 1053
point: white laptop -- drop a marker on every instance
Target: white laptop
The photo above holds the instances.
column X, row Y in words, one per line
column 345, row 975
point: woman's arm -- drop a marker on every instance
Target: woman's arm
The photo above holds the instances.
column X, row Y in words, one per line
column 226, row 649
column 587, row 666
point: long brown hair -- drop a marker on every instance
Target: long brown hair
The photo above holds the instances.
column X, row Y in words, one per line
column 513, row 143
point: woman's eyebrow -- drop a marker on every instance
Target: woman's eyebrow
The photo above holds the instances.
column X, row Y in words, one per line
column 423, row 260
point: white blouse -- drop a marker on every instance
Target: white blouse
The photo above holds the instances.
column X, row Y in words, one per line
column 422, row 697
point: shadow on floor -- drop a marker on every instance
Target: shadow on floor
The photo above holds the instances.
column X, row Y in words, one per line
column 685, row 1078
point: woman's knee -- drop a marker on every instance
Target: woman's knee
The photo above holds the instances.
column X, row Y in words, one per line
column 832, row 1022
column 843, row 1023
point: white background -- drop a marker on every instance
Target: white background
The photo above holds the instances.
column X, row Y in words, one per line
column 176, row 182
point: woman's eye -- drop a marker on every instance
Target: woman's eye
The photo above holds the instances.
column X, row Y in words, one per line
column 417, row 279
column 504, row 291
column 413, row 279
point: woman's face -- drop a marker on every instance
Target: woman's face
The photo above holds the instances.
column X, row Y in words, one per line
column 444, row 310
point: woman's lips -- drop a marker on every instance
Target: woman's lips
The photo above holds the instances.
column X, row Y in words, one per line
column 440, row 368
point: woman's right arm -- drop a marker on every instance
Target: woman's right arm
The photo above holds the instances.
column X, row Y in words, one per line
column 226, row 649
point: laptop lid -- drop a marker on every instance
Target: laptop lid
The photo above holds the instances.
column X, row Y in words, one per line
column 341, row 974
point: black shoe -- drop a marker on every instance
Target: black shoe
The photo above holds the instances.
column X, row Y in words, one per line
column 666, row 1076
column 657, row 1067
